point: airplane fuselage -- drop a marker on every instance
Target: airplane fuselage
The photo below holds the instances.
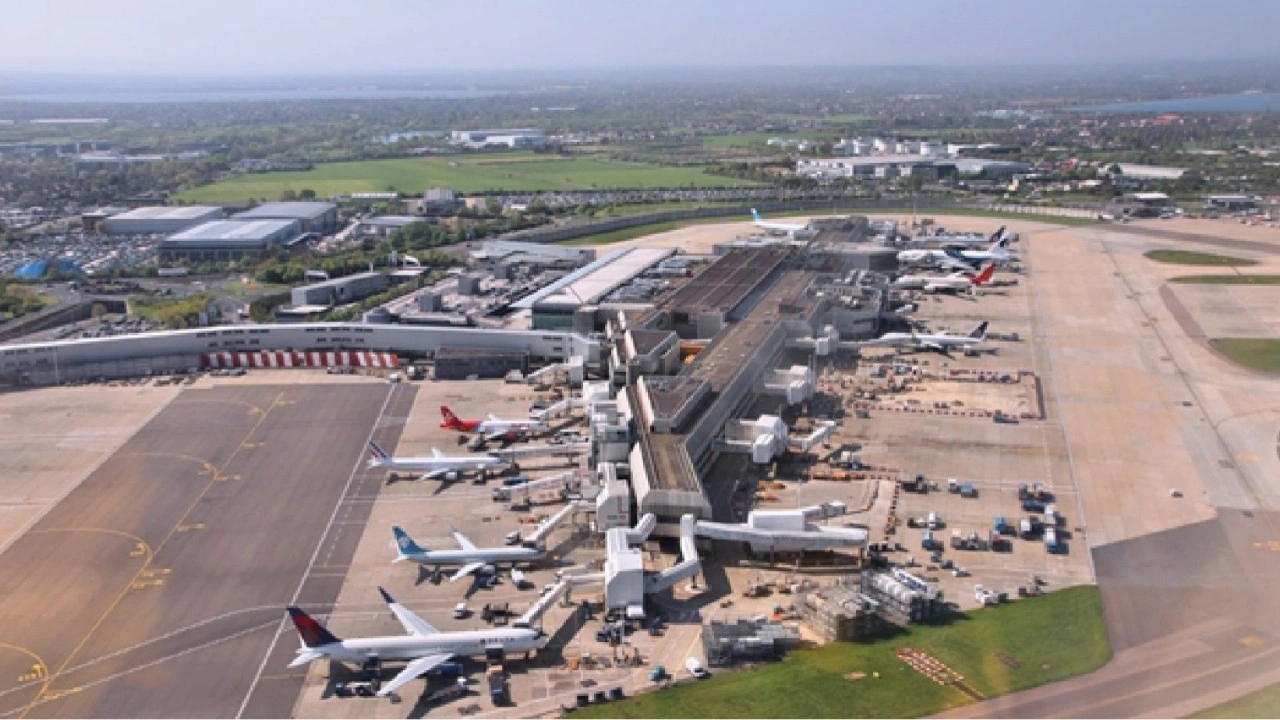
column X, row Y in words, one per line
column 411, row 647
column 438, row 464
column 489, row 556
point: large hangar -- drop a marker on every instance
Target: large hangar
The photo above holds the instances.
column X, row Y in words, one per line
column 313, row 217
column 223, row 240
column 157, row 219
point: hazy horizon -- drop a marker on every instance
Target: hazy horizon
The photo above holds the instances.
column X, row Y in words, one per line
column 295, row 39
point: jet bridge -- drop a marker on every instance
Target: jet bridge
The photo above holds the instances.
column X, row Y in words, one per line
column 558, row 409
column 688, row 567
column 767, row 437
column 794, row 383
column 546, row 527
column 515, row 453
column 570, row 372
column 824, row 343
column 561, row 589
column 788, row 530
column 567, row 481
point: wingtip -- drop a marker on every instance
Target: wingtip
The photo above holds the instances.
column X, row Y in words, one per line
column 386, row 596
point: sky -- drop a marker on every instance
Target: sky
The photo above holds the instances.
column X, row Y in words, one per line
column 353, row 37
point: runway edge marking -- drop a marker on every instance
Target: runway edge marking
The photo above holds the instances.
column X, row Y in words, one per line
column 280, row 628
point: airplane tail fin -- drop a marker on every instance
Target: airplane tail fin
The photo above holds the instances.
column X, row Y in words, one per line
column 451, row 421
column 985, row 276
column 980, row 332
column 313, row 634
column 405, row 544
column 999, row 233
column 376, row 453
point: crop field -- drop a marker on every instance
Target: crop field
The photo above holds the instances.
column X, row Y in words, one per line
column 997, row 650
column 517, row 172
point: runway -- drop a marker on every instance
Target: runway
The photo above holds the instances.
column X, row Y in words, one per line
column 156, row 587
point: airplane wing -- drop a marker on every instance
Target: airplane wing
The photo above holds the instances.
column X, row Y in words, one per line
column 413, row 671
column 463, row 541
column 466, row 570
column 413, row 624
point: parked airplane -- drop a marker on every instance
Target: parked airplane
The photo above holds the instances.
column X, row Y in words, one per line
column 436, row 465
column 423, row 646
column 491, row 427
column 471, row 558
column 956, row 281
column 958, row 241
column 998, row 252
column 935, row 342
column 788, row 229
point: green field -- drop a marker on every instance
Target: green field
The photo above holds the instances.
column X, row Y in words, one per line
column 1042, row 640
column 1227, row 280
column 1254, row 353
column 1187, row 257
column 1264, row 703
column 516, row 172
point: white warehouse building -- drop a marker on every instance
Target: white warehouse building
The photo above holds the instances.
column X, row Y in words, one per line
column 160, row 220
column 506, row 137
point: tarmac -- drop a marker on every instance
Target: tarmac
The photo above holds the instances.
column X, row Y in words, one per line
column 154, row 587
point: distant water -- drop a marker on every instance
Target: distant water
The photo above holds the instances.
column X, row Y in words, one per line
column 1243, row 103
column 261, row 95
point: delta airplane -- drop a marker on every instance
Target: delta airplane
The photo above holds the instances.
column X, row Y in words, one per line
column 436, row 465
column 423, row 646
column 492, row 427
column 997, row 252
column 471, row 558
column 957, row 281
column 935, row 342
column 788, row 229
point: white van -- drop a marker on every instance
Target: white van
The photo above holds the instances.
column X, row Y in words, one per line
column 460, row 610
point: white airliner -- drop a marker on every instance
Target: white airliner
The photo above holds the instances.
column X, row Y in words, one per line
column 956, row 281
column 424, row 646
column 436, row 465
column 936, row 342
column 788, row 229
column 998, row 252
column 471, row 558
column 492, row 427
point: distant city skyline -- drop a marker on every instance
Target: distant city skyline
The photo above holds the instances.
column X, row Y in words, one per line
column 292, row 37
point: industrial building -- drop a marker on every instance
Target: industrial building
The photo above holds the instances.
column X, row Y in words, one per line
column 158, row 219
column 339, row 291
column 226, row 240
column 312, row 217
column 725, row 644
column 459, row 363
column 880, row 167
column 558, row 304
column 1135, row 171
column 1231, row 203
column 991, row 169
column 143, row 354
column 506, row 137
column 384, row 225
column 534, row 255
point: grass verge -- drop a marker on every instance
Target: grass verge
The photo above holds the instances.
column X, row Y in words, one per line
column 1188, row 257
column 1227, row 280
column 1264, row 703
column 1253, row 353
column 1039, row 640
